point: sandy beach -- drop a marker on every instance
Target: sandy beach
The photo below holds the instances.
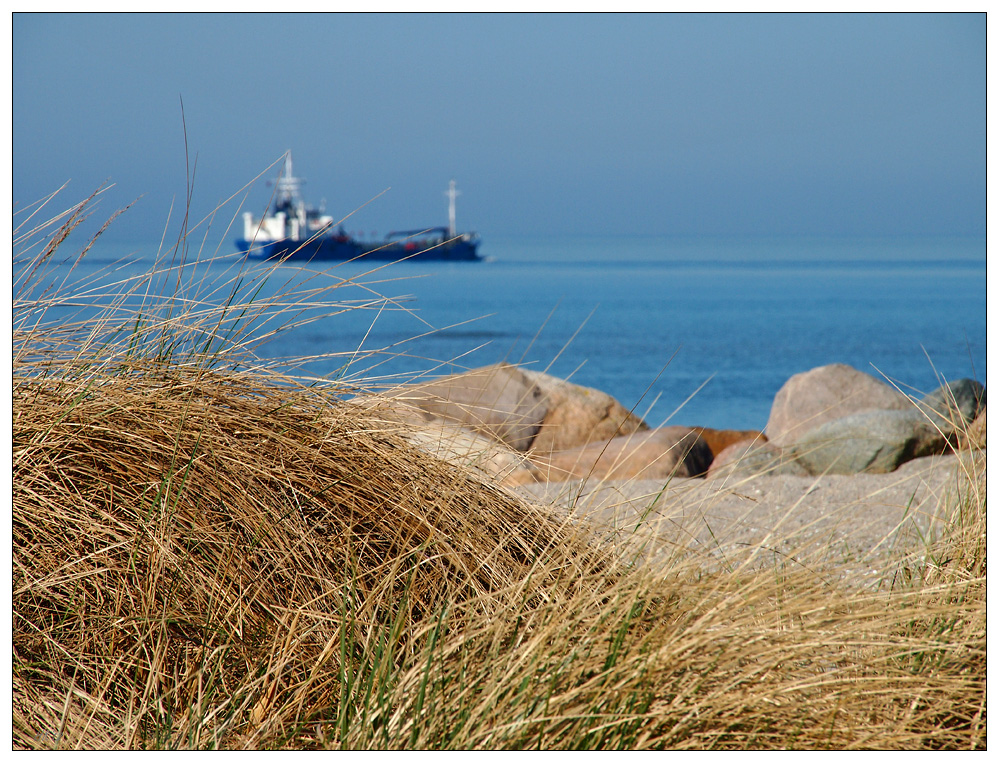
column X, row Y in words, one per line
column 850, row 526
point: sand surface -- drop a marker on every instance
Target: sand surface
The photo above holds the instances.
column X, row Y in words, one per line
column 857, row 527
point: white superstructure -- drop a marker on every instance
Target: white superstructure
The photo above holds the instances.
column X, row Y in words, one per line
column 291, row 218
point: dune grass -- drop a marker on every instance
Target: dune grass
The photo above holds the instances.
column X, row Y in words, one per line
column 209, row 555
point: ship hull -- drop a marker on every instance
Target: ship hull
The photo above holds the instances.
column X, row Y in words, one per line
column 333, row 248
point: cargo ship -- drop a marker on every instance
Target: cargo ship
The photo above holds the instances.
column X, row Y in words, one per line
column 295, row 231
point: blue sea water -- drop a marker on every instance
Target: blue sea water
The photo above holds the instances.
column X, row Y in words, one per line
column 693, row 331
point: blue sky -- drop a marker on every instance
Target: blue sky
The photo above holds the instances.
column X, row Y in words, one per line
column 714, row 124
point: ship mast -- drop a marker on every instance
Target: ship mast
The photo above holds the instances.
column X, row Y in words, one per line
column 451, row 193
column 288, row 184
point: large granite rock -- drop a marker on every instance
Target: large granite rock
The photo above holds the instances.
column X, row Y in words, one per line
column 826, row 393
column 652, row 454
column 720, row 440
column 521, row 408
column 449, row 441
column 753, row 457
column 872, row 441
column 974, row 437
column 577, row 415
column 954, row 405
column 498, row 401
column 466, row 448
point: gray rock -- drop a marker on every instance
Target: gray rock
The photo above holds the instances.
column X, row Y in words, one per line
column 954, row 405
column 826, row 393
column 874, row 442
column 751, row 457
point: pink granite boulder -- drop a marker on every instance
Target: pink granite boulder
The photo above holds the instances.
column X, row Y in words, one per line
column 974, row 436
column 651, row 454
column 520, row 408
column 720, row 440
column 577, row 415
column 498, row 401
column 465, row 448
column 814, row 397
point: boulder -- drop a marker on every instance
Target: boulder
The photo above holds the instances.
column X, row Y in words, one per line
column 465, row 448
column 824, row 394
column 974, row 436
column 577, row 415
column 872, row 441
column 720, row 440
column 651, row 454
column 954, row 405
column 500, row 402
column 449, row 441
column 393, row 412
column 520, row 408
column 753, row 457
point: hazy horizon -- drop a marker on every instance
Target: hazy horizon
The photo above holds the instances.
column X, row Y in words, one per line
column 648, row 124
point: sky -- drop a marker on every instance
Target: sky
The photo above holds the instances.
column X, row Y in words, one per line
column 589, row 124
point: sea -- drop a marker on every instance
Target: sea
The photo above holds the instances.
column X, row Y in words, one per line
column 697, row 331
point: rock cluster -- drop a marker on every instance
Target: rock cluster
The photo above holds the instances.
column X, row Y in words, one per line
column 836, row 419
column 521, row 426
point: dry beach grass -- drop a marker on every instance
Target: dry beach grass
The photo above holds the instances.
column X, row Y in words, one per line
column 208, row 555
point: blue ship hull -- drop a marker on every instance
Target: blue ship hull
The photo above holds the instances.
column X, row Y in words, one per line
column 344, row 248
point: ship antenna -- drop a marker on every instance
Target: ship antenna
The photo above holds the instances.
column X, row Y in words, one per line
column 451, row 193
